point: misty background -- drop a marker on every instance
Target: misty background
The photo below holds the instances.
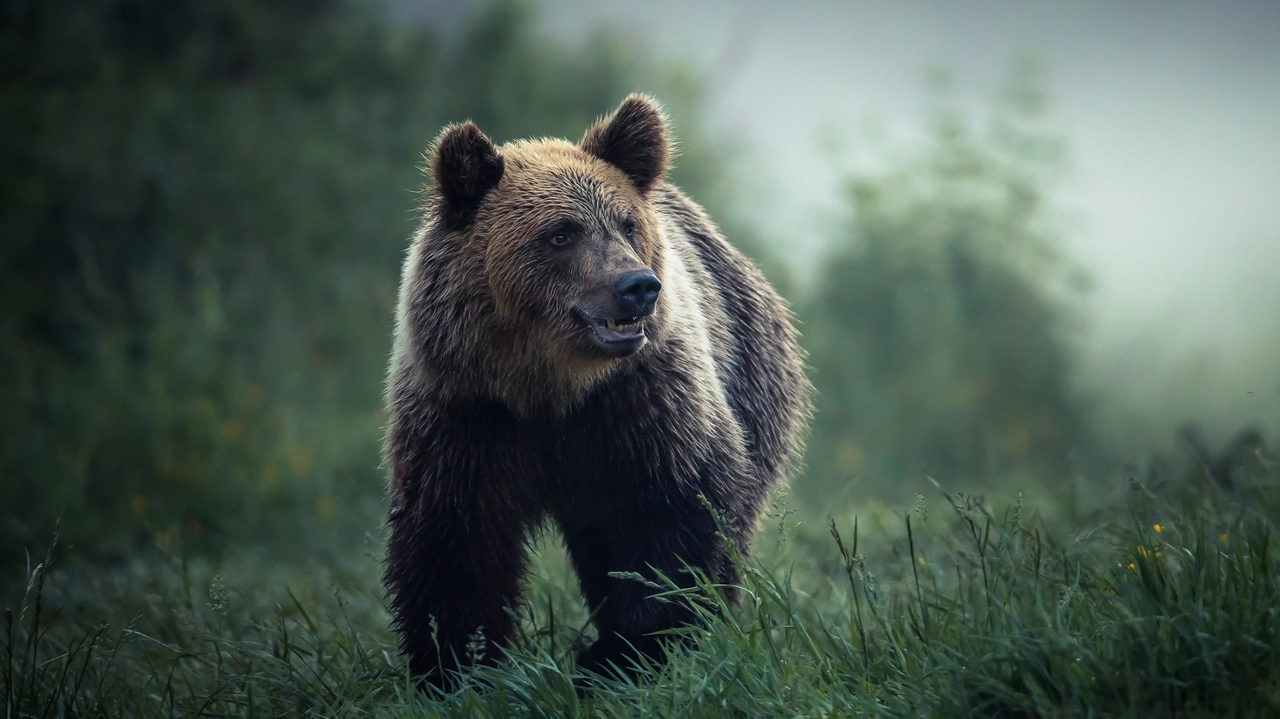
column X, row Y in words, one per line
column 1170, row 112
column 1030, row 248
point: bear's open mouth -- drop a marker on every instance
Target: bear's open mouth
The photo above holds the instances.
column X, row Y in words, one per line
column 614, row 330
column 624, row 327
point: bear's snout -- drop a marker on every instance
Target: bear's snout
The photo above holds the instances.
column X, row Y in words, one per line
column 637, row 292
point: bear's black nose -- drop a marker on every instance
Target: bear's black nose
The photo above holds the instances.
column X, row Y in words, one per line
column 637, row 292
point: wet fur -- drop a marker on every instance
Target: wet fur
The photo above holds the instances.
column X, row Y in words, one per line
column 501, row 416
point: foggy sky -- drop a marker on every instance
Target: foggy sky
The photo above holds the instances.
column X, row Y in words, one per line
column 1172, row 110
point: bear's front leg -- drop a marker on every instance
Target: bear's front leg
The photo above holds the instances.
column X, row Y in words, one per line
column 666, row 539
column 454, row 579
column 456, row 554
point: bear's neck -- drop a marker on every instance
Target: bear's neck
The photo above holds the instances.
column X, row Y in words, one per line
column 535, row 389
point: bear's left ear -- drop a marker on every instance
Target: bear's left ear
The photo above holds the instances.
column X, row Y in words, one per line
column 634, row 140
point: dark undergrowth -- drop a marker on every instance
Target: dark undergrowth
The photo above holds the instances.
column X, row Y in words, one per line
column 1165, row 608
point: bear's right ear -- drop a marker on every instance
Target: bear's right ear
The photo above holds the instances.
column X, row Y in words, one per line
column 465, row 165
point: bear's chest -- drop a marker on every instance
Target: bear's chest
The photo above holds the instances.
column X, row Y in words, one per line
column 621, row 452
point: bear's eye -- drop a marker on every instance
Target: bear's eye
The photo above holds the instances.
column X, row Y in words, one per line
column 559, row 238
column 629, row 228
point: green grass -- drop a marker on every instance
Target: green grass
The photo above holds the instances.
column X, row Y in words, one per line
column 964, row 611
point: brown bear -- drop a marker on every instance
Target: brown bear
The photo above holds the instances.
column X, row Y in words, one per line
column 575, row 341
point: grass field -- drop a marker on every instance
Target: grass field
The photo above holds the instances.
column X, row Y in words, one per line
column 1164, row 607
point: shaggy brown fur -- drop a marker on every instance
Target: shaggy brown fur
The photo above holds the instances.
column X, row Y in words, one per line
column 533, row 378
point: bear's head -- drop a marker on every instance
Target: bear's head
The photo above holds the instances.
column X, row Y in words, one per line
column 561, row 242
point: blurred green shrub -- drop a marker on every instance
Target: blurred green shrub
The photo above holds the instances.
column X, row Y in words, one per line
column 940, row 327
column 204, row 209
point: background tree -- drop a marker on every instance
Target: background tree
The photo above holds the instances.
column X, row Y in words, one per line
column 940, row 326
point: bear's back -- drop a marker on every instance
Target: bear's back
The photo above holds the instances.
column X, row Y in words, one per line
column 757, row 356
